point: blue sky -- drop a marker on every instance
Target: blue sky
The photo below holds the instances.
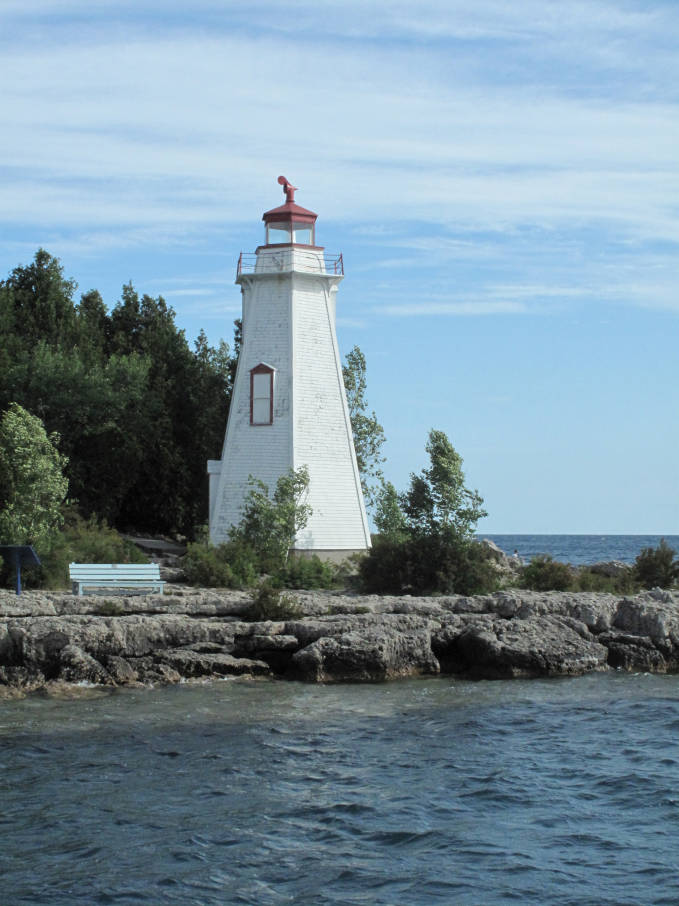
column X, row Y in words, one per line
column 502, row 179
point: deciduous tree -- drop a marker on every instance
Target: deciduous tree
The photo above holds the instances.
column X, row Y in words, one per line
column 367, row 431
column 438, row 498
column 270, row 523
column 32, row 483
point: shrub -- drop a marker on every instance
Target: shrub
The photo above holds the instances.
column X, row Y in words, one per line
column 543, row 573
column 307, row 572
column 270, row 523
column 79, row 541
column 587, row 579
column 434, row 563
column 656, row 567
column 270, row 603
column 229, row 565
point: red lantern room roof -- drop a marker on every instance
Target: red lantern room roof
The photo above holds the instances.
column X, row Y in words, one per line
column 289, row 211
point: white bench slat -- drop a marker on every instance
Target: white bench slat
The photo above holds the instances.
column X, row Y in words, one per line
column 115, row 575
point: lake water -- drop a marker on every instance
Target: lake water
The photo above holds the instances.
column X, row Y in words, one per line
column 581, row 549
column 432, row 791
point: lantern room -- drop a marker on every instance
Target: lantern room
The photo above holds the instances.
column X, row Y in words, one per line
column 290, row 224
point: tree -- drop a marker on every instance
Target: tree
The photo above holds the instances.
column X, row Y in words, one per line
column 368, row 433
column 438, row 499
column 426, row 535
column 32, row 483
column 271, row 523
column 138, row 410
column 389, row 519
column 41, row 301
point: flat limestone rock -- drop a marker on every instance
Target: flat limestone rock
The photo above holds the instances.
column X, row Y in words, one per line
column 54, row 638
column 189, row 664
column 366, row 656
column 543, row 646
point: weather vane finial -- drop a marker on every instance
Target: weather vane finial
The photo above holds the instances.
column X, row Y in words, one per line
column 288, row 188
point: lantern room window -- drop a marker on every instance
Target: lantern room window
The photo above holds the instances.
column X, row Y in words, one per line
column 303, row 233
column 285, row 233
column 261, row 395
column 277, row 233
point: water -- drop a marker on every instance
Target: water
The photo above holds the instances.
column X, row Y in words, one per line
column 436, row 791
column 581, row 549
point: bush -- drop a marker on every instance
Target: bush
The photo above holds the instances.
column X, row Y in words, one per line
column 656, row 567
column 271, row 604
column 79, row 541
column 587, row 579
column 307, row 572
column 543, row 573
column 229, row 565
column 270, row 523
column 435, row 563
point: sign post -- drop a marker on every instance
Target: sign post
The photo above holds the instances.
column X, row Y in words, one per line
column 19, row 555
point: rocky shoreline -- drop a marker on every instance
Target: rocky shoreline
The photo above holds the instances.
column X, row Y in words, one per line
column 52, row 640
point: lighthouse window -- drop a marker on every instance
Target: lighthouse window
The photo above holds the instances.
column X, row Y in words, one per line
column 277, row 233
column 302, row 233
column 261, row 395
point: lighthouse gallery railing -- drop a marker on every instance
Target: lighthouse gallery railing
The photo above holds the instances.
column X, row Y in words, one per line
column 290, row 258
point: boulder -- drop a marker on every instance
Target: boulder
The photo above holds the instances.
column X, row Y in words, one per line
column 120, row 670
column 366, row 655
column 503, row 562
column 76, row 666
column 188, row 663
column 502, row 649
column 612, row 569
column 636, row 652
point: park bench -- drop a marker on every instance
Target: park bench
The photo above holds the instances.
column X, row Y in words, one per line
column 115, row 575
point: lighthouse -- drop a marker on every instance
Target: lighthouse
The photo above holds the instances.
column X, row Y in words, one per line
column 288, row 407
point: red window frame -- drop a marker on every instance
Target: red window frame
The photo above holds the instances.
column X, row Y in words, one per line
column 261, row 369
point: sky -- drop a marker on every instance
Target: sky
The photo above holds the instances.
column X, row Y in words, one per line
column 501, row 178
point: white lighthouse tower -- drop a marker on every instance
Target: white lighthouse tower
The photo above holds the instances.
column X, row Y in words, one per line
column 289, row 408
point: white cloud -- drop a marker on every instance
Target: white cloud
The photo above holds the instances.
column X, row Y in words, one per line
column 140, row 128
column 456, row 309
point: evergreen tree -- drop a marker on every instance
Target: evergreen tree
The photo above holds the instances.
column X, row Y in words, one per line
column 138, row 410
column 40, row 300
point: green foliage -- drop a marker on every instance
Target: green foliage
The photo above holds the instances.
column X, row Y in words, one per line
column 270, row 523
column 543, row 573
column 32, row 483
column 79, row 541
column 367, row 431
column 438, row 498
column 139, row 412
column 269, row 603
column 437, row 563
column 37, row 302
column 307, row 572
column 657, row 567
column 389, row 518
column 261, row 543
column 230, row 565
column 97, row 407
column 587, row 579
column 425, row 543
